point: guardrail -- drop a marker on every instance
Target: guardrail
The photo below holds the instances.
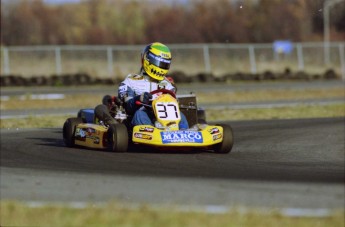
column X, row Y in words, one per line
column 116, row 61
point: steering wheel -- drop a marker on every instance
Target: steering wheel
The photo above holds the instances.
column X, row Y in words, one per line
column 164, row 91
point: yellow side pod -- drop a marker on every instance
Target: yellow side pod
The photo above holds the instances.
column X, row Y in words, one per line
column 90, row 135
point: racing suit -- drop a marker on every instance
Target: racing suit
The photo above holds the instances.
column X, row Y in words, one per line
column 130, row 90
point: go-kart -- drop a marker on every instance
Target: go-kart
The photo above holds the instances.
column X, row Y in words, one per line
column 87, row 131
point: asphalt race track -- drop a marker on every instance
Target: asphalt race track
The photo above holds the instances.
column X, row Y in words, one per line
column 276, row 163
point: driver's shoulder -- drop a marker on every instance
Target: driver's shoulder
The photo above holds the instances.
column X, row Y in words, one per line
column 166, row 84
column 135, row 77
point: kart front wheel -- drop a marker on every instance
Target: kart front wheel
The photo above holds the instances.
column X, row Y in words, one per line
column 228, row 140
column 69, row 130
column 117, row 138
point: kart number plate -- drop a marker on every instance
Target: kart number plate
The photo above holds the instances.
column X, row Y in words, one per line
column 167, row 111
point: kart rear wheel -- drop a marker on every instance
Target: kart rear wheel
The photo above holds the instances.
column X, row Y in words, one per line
column 69, row 130
column 228, row 140
column 117, row 138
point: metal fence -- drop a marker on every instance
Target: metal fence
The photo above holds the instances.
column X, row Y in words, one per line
column 219, row 59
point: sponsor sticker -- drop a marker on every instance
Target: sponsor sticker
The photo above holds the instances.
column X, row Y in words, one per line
column 83, row 134
column 123, row 88
column 80, row 133
column 213, row 131
column 90, row 131
column 217, row 137
column 160, row 58
column 96, row 139
column 136, row 77
column 146, row 129
column 181, row 137
column 142, row 136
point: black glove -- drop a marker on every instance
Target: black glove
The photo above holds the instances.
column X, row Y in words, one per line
column 117, row 101
column 107, row 99
column 145, row 97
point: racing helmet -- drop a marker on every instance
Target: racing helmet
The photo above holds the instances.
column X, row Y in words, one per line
column 155, row 60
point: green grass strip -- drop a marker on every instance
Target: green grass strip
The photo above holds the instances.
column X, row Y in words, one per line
column 300, row 111
column 113, row 214
column 303, row 111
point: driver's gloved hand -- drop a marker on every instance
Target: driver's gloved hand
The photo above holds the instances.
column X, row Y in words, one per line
column 107, row 100
column 145, row 97
column 117, row 101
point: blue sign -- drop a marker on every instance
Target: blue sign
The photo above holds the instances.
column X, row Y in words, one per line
column 283, row 46
column 181, row 137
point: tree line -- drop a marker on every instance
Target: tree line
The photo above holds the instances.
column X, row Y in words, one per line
column 32, row 22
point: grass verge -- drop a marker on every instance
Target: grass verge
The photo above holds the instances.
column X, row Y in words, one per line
column 300, row 111
column 35, row 122
column 303, row 111
column 91, row 100
column 112, row 214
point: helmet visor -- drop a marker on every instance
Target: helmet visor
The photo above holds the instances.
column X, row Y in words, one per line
column 158, row 61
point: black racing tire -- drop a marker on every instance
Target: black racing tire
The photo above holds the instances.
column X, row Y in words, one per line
column 69, row 130
column 228, row 140
column 117, row 138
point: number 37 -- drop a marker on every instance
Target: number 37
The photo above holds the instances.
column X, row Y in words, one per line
column 167, row 111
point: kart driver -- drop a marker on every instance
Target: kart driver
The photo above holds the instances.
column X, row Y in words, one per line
column 155, row 64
